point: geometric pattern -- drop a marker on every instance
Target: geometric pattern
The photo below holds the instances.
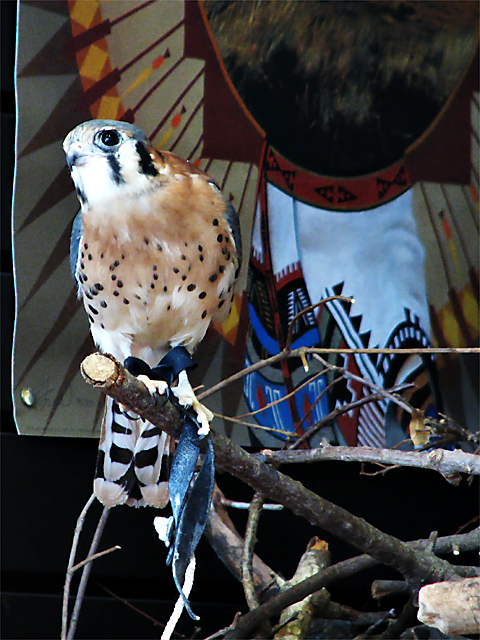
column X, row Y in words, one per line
column 338, row 194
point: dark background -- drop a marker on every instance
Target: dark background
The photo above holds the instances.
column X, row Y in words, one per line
column 46, row 482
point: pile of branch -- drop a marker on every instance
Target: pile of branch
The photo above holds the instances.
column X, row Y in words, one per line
column 268, row 596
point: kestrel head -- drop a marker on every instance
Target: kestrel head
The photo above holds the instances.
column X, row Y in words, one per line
column 108, row 159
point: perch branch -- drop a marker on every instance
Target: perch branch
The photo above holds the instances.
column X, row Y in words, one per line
column 104, row 372
column 445, row 462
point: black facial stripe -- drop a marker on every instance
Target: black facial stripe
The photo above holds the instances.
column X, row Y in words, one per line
column 116, row 169
column 145, row 162
column 80, row 195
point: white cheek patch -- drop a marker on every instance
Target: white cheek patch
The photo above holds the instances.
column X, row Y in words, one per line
column 94, row 180
column 129, row 161
column 101, row 179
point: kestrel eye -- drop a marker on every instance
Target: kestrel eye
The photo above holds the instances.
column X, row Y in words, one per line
column 109, row 138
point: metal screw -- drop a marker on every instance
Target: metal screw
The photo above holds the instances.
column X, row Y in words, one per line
column 27, row 396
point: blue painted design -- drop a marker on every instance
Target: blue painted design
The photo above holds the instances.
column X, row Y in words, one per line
column 267, row 342
column 278, row 416
column 308, row 339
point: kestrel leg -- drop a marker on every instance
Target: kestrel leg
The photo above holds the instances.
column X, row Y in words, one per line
column 153, row 386
column 186, row 397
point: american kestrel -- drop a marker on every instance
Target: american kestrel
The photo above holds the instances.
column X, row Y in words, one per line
column 155, row 251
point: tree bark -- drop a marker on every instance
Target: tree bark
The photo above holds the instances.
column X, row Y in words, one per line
column 418, row 566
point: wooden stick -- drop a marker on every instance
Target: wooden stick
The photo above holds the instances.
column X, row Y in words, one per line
column 249, row 543
column 71, row 560
column 86, row 573
column 452, row 607
column 445, row 462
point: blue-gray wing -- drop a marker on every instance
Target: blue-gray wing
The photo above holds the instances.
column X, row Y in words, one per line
column 75, row 240
column 233, row 221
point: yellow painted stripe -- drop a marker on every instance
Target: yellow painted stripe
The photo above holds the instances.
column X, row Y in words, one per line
column 94, row 63
column 84, row 11
column 164, row 140
column 470, row 309
column 145, row 74
column 108, row 109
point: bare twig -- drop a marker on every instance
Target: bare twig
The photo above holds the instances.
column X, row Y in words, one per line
column 71, row 560
column 95, row 556
column 139, row 611
column 448, row 432
column 235, row 504
column 467, row 524
column 245, row 372
column 287, row 396
column 222, row 632
column 445, row 462
column 385, row 393
column 247, row 556
column 368, row 633
column 303, row 351
column 291, row 328
column 328, row 389
column 86, row 573
column 228, row 545
column 451, row 426
column 252, row 425
column 338, row 411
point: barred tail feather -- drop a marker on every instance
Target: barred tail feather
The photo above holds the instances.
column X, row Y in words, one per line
column 132, row 463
